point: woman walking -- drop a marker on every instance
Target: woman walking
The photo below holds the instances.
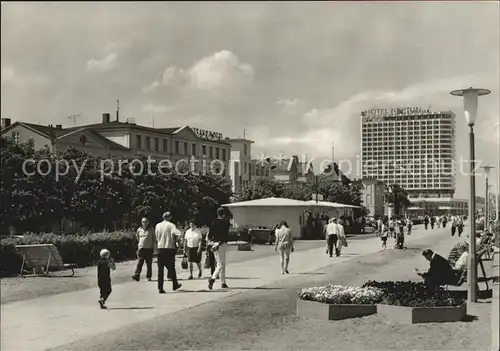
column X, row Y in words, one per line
column 192, row 248
column 284, row 242
column 384, row 233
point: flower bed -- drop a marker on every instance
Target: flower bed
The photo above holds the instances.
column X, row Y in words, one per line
column 412, row 294
column 335, row 302
column 339, row 294
column 409, row 302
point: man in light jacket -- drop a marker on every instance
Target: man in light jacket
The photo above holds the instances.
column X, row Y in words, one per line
column 145, row 247
column 167, row 236
column 332, row 231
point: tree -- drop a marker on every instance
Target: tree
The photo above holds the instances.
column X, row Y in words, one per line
column 96, row 199
column 331, row 190
column 398, row 197
column 260, row 188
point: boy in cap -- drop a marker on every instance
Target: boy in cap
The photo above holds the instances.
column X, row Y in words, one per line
column 104, row 267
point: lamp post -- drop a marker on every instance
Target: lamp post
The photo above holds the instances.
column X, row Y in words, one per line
column 487, row 170
column 470, row 98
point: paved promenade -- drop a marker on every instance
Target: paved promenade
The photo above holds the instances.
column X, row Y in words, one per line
column 57, row 320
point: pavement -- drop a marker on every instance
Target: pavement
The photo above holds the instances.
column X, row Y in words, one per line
column 57, row 320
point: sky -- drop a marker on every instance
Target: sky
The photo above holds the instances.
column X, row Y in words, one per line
column 295, row 76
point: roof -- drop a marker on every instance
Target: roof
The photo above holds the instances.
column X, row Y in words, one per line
column 46, row 131
column 269, row 201
column 98, row 137
column 330, row 204
column 53, row 132
column 239, row 139
column 284, row 202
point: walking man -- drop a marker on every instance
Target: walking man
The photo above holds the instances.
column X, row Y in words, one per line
column 332, row 236
column 219, row 233
column 453, row 225
column 146, row 241
column 460, row 225
column 166, row 237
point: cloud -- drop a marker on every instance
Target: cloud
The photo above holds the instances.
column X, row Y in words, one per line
column 340, row 125
column 157, row 108
column 222, row 70
column 13, row 76
column 104, row 64
column 291, row 107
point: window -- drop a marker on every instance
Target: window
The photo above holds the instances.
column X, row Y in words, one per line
column 138, row 139
column 165, row 145
column 204, row 150
column 193, row 149
column 148, row 143
column 217, row 153
column 185, row 148
column 223, row 154
column 245, row 149
column 157, row 144
column 211, row 152
column 16, row 137
column 177, row 147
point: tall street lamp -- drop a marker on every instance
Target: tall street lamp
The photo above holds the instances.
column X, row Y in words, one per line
column 470, row 97
column 487, row 170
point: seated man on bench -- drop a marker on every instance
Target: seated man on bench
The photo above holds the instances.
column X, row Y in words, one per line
column 440, row 271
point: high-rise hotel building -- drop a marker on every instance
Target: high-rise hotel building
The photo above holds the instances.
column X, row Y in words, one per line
column 411, row 147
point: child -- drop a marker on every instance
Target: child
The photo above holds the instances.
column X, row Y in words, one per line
column 104, row 276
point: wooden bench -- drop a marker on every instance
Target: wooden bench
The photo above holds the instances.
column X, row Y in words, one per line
column 42, row 259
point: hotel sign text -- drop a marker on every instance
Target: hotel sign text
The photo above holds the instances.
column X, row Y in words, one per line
column 402, row 111
column 207, row 134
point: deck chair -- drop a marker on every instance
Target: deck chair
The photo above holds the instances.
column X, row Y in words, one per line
column 42, row 259
column 462, row 278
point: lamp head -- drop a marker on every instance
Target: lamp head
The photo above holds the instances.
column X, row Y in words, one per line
column 487, row 170
column 470, row 102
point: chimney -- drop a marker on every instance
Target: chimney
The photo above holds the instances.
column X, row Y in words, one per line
column 5, row 122
column 59, row 126
column 106, row 118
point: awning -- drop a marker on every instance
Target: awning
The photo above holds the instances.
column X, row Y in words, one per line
column 414, row 208
column 330, row 204
column 270, row 202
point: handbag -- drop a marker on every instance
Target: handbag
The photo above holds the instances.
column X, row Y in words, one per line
column 344, row 241
column 184, row 263
column 207, row 260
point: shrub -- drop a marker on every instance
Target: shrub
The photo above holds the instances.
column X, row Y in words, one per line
column 83, row 250
column 413, row 294
column 338, row 294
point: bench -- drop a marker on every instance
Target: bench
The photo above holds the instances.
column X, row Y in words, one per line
column 43, row 258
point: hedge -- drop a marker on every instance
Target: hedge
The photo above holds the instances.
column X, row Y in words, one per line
column 83, row 250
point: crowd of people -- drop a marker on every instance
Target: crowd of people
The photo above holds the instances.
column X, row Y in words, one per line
column 395, row 228
column 456, row 222
column 165, row 238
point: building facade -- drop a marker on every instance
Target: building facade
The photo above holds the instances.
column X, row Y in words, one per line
column 202, row 150
column 411, row 147
column 241, row 169
column 373, row 192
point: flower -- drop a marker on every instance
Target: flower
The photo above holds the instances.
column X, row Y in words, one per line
column 339, row 294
